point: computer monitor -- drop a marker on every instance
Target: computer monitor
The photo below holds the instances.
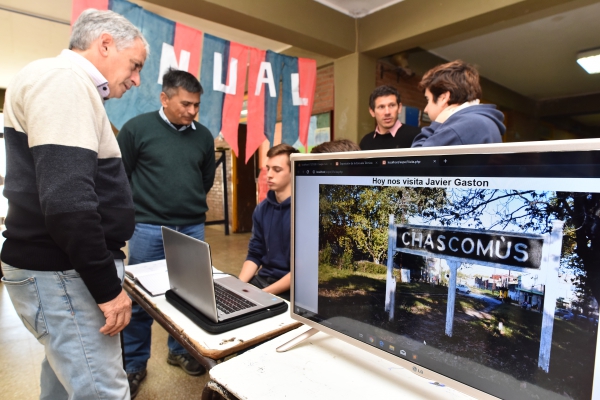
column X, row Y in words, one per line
column 474, row 266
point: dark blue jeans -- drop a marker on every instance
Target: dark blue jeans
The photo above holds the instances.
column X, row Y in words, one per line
column 146, row 245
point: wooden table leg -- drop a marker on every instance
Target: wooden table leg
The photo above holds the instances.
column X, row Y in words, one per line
column 214, row 391
column 208, row 363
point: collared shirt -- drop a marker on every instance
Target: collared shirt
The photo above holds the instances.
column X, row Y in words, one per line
column 393, row 129
column 161, row 112
column 98, row 79
column 464, row 105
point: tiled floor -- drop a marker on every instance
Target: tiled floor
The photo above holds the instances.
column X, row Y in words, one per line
column 21, row 354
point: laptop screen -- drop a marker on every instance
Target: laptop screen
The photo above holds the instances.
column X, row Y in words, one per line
column 476, row 266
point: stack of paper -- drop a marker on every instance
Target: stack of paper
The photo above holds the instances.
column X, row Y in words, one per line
column 152, row 276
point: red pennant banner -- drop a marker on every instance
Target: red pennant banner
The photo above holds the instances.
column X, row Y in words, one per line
column 307, row 69
column 188, row 40
column 233, row 102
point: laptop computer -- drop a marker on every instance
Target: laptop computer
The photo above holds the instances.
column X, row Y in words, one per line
column 189, row 266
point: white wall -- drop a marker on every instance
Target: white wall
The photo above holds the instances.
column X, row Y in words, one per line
column 24, row 39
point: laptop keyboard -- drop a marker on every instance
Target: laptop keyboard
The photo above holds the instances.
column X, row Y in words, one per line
column 229, row 302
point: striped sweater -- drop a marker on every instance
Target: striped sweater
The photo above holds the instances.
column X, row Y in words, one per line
column 69, row 200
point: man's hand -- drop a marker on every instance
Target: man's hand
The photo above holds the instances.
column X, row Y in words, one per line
column 249, row 269
column 280, row 286
column 117, row 313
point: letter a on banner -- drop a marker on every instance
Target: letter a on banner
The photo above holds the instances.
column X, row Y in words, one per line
column 233, row 103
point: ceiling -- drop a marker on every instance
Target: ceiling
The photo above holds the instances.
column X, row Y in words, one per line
column 536, row 58
column 358, row 8
column 534, row 55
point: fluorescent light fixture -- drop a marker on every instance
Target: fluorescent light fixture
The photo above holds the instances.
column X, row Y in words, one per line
column 590, row 61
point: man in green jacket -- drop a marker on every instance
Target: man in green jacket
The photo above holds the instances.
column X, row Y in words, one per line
column 170, row 162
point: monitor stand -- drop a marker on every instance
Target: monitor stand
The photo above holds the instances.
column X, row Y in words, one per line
column 297, row 340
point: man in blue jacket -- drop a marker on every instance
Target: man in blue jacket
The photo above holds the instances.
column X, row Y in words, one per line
column 269, row 247
column 452, row 91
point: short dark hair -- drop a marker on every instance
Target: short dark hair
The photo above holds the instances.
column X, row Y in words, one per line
column 282, row 149
column 383, row 90
column 175, row 79
column 459, row 78
column 336, row 146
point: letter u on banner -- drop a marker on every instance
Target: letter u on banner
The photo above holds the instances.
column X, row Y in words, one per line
column 211, row 107
column 234, row 99
column 256, row 100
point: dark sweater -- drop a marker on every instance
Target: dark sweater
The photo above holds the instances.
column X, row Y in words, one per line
column 473, row 125
column 68, row 198
column 269, row 246
column 170, row 171
column 403, row 139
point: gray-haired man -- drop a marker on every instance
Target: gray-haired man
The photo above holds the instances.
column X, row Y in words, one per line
column 70, row 207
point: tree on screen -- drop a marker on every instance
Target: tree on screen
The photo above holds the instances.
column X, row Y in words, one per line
column 533, row 212
column 354, row 219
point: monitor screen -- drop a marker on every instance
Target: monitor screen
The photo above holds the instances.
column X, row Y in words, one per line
column 474, row 266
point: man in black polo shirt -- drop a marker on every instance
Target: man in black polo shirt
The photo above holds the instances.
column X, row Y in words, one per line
column 390, row 133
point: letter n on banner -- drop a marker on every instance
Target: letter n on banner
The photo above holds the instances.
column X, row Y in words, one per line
column 78, row 6
column 233, row 103
column 258, row 85
column 188, row 40
column 184, row 54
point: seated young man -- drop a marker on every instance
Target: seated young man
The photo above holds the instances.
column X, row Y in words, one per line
column 269, row 247
column 452, row 91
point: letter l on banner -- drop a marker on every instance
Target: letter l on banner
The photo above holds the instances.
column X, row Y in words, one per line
column 307, row 69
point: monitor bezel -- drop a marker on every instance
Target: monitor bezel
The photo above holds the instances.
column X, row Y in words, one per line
column 497, row 148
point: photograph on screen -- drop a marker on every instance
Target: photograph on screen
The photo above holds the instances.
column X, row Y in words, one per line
column 480, row 284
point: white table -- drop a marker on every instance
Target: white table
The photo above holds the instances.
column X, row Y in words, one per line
column 321, row 367
column 208, row 348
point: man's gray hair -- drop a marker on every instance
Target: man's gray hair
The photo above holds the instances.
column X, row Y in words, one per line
column 92, row 23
